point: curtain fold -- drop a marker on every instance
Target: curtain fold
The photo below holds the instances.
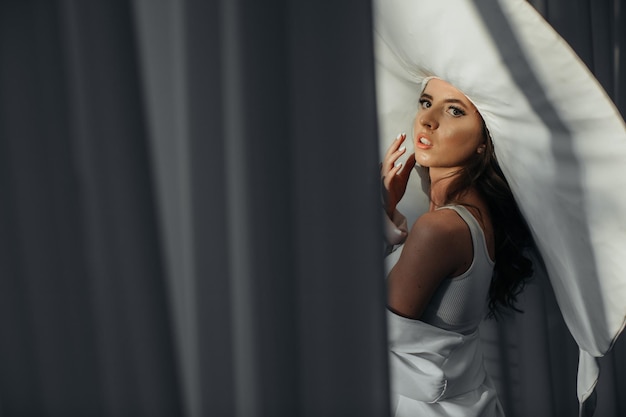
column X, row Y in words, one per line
column 253, row 113
column 85, row 327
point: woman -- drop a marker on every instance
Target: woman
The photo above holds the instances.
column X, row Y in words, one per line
column 450, row 140
column 560, row 142
column 461, row 257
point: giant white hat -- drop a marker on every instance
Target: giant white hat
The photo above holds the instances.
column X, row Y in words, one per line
column 559, row 140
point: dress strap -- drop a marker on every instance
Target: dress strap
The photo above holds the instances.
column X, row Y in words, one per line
column 478, row 236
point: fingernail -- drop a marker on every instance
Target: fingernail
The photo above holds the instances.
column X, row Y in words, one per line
column 399, row 164
column 399, row 136
column 403, row 134
column 402, row 149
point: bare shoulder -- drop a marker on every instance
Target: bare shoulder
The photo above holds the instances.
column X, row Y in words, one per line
column 442, row 236
column 439, row 225
column 436, row 248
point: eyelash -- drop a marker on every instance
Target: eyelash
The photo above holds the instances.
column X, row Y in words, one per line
column 422, row 102
column 460, row 111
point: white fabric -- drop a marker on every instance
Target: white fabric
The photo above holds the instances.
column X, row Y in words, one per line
column 558, row 138
column 460, row 303
column 396, row 229
column 437, row 373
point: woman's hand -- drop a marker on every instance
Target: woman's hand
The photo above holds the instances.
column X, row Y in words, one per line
column 395, row 175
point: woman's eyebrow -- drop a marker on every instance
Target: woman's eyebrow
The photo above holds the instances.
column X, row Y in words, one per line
column 448, row 100
column 455, row 100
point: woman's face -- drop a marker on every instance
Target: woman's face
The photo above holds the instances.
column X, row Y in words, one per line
column 447, row 131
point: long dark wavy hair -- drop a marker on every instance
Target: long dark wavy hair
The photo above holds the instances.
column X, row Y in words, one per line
column 512, row 236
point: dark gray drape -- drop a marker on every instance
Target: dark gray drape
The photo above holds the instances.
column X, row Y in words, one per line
column 270, row 125
column 190, row 223
column 85, row 324
column 189, row 220
column 595, row 30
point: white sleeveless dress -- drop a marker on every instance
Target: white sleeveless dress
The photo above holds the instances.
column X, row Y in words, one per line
column 436, row 362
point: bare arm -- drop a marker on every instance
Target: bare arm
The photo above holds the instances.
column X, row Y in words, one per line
column 438, row 246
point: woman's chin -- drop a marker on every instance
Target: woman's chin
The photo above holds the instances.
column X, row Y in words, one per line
column 423, row 162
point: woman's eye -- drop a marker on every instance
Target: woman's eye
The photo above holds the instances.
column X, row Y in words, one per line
column 424, row 104
column 456, row 112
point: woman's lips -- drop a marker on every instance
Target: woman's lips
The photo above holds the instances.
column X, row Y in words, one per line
column 423, row 142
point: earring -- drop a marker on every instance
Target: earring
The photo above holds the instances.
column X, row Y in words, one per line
column 480, row 149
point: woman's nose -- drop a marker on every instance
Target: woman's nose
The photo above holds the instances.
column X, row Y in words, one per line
column 426, row 119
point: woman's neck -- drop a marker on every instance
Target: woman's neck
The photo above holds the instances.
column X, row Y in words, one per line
column 440, row 181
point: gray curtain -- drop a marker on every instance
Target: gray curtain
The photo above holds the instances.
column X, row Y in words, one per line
column 189, row 219
column 85, row 325
column 264, row 137
column 189, row 216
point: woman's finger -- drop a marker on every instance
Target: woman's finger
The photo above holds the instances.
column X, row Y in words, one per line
column 391, row 160
column 395, row 145
column 408, row 167
column 389, row 177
